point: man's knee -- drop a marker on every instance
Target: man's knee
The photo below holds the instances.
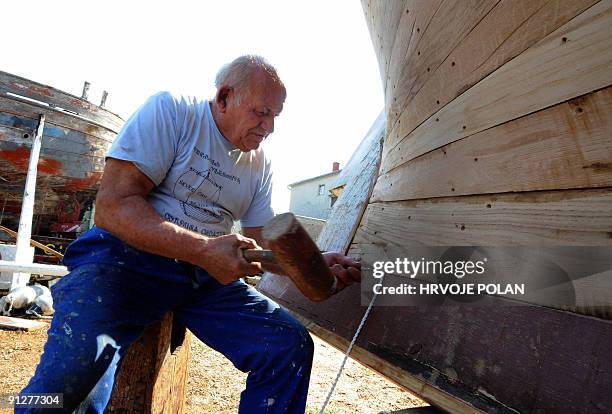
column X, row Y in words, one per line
column 296, row 340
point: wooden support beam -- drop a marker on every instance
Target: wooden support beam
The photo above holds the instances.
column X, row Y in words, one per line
column 23, row 252
column 33, row 268
column 153, row 374
column 360, row 174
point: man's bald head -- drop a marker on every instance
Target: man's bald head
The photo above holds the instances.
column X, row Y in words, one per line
column 239, row 73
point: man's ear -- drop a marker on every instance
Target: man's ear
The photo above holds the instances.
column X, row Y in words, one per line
column 222, row 97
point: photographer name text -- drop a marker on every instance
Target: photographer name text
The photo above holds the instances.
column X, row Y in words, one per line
column 428, row 268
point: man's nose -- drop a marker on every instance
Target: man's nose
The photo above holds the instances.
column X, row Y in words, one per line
column 268, row 124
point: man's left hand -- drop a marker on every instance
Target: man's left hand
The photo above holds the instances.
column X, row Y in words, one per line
column 346, row 270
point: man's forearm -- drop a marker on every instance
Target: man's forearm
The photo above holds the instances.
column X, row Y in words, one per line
column 136, row 222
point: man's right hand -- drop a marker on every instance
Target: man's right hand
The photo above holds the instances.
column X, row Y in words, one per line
column 223, row 259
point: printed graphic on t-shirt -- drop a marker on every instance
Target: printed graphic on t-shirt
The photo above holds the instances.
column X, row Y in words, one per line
column 198, row 191
column 203, row 192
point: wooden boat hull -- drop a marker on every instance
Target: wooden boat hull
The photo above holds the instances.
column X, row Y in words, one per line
column 498, row 133
column 75, row 138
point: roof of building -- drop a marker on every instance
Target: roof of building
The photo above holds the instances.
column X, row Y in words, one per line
column 313, row 178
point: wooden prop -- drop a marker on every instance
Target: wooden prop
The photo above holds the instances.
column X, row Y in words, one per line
column 34, row 243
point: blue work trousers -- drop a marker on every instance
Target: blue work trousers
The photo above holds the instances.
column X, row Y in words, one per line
column 101, row 309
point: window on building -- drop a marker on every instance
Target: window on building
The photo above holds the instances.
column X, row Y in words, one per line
column 321, row 189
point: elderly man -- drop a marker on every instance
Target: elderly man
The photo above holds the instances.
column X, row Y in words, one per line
column 177, row 176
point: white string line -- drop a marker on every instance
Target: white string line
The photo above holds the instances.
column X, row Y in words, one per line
column 349, row 349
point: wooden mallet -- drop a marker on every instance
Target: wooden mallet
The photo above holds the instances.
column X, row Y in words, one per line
column 296, row 253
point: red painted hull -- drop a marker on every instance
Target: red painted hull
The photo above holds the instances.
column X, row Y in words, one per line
column 76, row 136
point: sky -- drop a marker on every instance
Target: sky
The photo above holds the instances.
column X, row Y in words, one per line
column 133, row 49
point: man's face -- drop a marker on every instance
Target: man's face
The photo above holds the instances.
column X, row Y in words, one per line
column 249, row 119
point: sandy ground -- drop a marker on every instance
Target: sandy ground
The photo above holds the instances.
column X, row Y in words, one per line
column 214, row 385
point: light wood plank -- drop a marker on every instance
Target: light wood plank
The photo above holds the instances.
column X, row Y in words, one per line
column 573, row 217
column 560, row 218
column 383, row 20
column 562, row 147
column 450, row 22
column 569, row 278
column 510, row 28
column 550, row 72
column 390, row 19
column 372, row 11
column 414, row 21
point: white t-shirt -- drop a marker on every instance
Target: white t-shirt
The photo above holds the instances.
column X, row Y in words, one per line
column 203, row 182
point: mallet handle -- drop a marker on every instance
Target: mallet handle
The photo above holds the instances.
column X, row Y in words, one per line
column 261, row 256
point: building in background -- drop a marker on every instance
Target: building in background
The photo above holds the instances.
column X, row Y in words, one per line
column 311, row 200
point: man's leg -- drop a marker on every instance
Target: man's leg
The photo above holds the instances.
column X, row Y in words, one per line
column 258, row 337
column 99, row 311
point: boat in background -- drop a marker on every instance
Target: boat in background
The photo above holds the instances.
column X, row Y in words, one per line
column 75, row 137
